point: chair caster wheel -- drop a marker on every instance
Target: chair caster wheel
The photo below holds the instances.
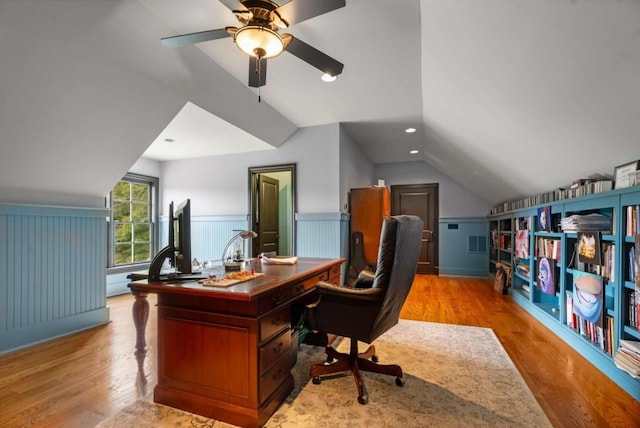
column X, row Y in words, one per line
column 399, row 382
column 374, row 358
column 363, row 399
column 316, row 380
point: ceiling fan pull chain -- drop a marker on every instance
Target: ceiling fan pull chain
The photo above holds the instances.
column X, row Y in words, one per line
column 258, row 65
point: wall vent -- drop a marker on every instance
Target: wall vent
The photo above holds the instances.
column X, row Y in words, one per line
column 477, row 244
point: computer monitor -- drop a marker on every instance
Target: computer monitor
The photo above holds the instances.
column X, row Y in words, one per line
column 178, row 249
column 182, row 237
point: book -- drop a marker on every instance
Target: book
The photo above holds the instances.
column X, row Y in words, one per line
column 631, row 345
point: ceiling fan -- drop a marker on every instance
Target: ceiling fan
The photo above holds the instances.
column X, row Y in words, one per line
column 259, row 36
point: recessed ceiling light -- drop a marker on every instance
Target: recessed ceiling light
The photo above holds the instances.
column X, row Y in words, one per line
column 169, row 140
column 410, row 130
column 413, row 152
column 326, row 77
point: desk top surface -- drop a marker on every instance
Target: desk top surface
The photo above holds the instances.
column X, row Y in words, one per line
column 274, row 276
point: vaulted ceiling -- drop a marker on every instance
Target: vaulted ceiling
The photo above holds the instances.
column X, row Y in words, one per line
column 509, row 98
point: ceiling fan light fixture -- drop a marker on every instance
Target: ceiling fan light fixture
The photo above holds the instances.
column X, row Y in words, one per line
column 328, row 77
column 258, row 41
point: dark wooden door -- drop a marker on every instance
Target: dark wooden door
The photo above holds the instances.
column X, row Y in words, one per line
column 420, row 200
column 268, row 226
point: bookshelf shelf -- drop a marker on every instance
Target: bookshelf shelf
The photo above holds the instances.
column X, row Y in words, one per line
column 559, row 252
column 632, row 332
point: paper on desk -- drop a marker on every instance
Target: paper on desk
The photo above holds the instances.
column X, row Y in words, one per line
column 280, row 260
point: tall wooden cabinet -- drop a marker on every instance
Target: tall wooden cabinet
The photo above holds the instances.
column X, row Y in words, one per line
column 368, row 207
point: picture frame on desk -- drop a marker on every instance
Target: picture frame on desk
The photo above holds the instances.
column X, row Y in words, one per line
column 626, row 175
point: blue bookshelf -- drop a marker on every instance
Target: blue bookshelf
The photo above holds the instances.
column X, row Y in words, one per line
column 597, row 341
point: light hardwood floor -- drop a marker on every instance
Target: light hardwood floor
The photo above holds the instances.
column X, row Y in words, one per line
column 79, row 380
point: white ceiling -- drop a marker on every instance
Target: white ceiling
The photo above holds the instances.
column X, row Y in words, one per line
column 194, row 132
column 367, row 91
column 510, row 98
column 488, row 84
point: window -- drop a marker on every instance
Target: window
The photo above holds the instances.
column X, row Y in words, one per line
column 132, row 225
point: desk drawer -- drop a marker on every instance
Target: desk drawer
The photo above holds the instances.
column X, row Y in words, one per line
column 309, row 283
column 274, row 350
column 334, row 275
column 274, row 377
column 275, row 299
column 275, row 322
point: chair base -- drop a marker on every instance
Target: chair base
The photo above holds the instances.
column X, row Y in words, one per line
column 355, row 362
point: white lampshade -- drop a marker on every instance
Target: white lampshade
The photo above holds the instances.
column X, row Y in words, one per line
column 260, row 42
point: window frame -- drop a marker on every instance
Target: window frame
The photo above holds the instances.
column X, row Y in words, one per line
column 154, row 183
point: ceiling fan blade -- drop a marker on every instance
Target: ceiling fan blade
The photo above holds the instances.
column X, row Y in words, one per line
column 187, row 39
column 257, row 72
column 313, row 56
column 297, row 11
column 233, row 4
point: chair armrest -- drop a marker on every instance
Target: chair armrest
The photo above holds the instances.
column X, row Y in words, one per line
column 365, row 279
column 331, row 291
column 344, row 311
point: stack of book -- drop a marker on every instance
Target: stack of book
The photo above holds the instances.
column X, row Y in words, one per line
column 579, row 187
column 586, row 223
column 627, row 357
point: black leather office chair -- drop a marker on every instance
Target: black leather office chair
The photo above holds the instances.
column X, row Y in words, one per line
column 363, row 314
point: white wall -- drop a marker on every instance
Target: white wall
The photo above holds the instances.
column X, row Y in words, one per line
column 146, row 167
column 355, row 168
column 218, row 185
column 87, row 87
column 455, row 199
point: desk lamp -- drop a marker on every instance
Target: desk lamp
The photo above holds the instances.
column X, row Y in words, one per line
column 234, row 261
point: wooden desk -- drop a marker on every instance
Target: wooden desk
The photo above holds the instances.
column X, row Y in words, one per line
column 226, row 353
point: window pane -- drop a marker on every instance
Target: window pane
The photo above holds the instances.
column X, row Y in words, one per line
column 122, row 254
column 140, row 212
column 141, row 232
column 123, row 233
column 140, row 192
column 142, row 252
column 121, row 211
column 122, row 191
column 132, row 236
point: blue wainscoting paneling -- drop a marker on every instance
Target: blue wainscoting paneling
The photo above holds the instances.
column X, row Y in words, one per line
column 324, row 235
column 463, row 247
column 118, row 283
column 52, row 272
column 209, row 234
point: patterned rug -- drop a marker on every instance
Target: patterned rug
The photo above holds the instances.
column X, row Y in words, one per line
column 455, row 376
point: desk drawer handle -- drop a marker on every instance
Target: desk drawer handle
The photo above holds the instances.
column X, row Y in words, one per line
column 278, row 348
column 277, row 321
column 278, row 375
column 275, row 299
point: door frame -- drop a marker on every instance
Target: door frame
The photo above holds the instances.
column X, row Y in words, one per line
column 436, row 210
column 254, row 171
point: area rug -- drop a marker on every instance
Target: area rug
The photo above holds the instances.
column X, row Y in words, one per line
column 455, row 376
